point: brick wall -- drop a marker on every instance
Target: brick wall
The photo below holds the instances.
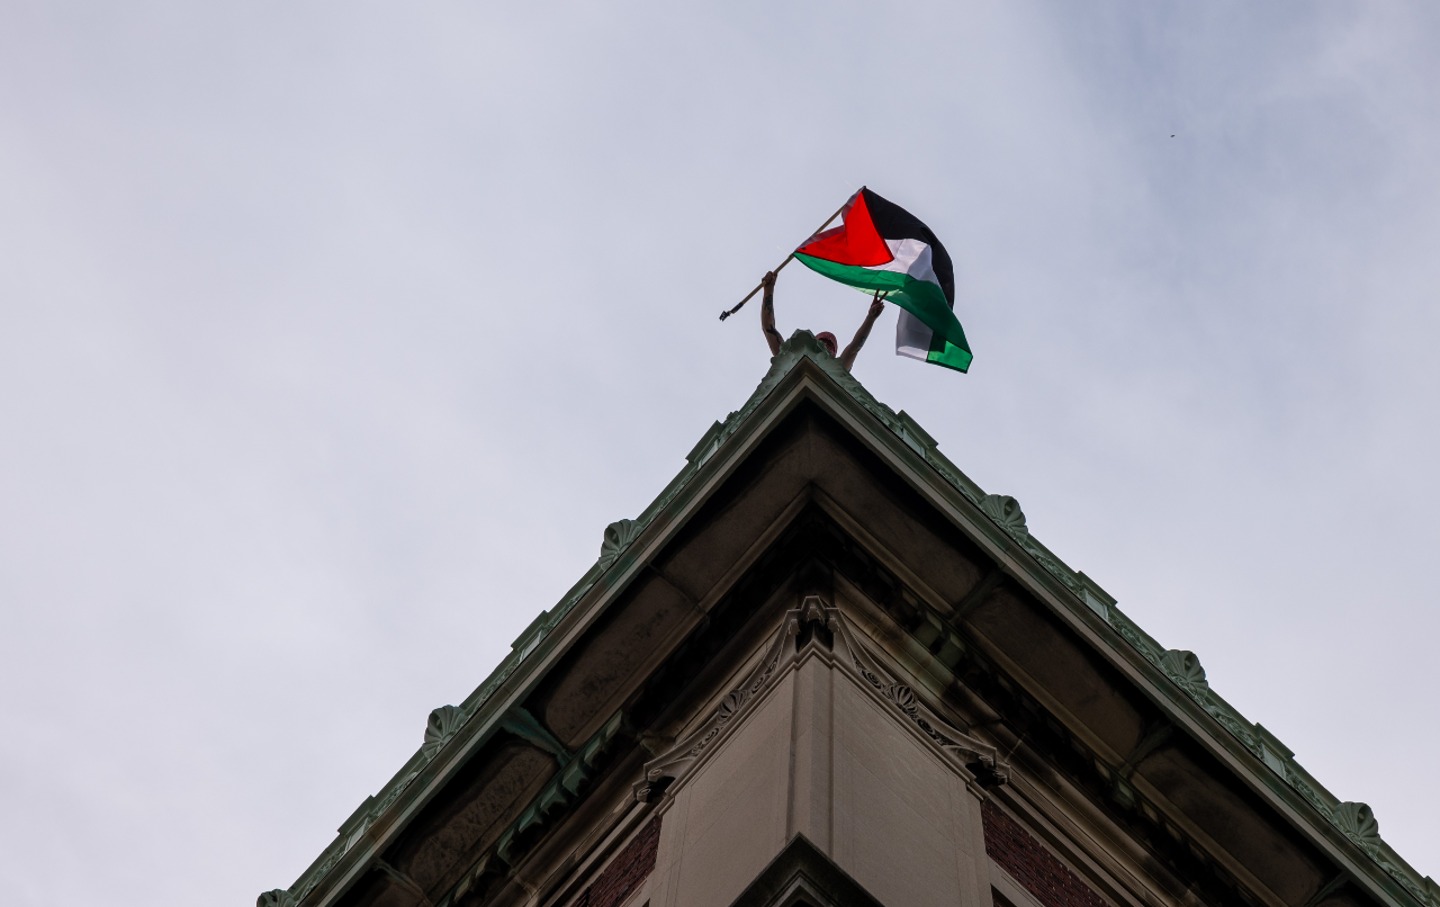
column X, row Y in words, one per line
column 1035, row 868
column 625, row 872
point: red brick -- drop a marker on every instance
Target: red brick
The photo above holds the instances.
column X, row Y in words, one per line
column 626, row 871
column 1035, row 868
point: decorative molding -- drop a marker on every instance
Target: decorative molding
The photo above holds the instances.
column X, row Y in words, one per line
column 1138, row 639
column 1052, row 566
column 1296, row 780
column 816, row 623
column 1398, row 872
column 1233, row 722
column 1358, row 822
column 678, row 760
column 1006, row 513
column 984, row 760
column 1183, row 667
column 277, row 897
column 390, row 797
column 618, row 536
column 441, row 726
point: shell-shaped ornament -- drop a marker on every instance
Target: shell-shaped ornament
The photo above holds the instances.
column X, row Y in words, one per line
column 1006, row 512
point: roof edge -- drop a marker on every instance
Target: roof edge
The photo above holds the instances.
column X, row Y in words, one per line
column 1354, row 821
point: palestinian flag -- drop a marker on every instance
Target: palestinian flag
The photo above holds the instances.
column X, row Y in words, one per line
column 881, row 246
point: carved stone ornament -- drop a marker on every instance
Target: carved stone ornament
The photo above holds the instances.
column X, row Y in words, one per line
column 277, row 897
column 1233, row 722
column 1006, row 512
column 443, row 724
column 663, row 769
column 980, row 758
column 1358, row 822
column 618, row 536
column 1184, row 668
column 815, row 623
column 1064, row 574
column 1294, row 778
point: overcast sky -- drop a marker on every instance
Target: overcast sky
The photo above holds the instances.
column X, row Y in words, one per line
column 332, row 336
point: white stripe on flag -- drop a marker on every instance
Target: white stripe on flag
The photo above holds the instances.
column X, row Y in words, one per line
column 912, row 337
column 912, row 257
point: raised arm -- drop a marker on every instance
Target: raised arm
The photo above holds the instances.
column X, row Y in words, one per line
column 767, row 313
column 847, row 358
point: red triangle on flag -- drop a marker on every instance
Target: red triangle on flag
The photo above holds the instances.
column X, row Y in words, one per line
column 854, row 242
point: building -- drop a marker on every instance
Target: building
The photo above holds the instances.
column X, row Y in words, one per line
column 825, row 668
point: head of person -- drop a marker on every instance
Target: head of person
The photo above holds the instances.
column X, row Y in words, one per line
column 828, row 341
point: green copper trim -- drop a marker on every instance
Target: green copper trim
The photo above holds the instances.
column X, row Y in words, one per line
column 559, row 794
column 522, row 724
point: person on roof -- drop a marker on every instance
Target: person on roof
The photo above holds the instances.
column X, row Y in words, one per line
column 827, row 339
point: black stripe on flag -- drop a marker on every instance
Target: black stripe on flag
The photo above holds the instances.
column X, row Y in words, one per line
column 894, row 222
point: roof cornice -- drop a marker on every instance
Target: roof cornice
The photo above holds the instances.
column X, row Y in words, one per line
column 1346, row 831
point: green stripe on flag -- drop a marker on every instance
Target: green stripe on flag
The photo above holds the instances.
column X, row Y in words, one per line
column 950, row 356
column 920, row 298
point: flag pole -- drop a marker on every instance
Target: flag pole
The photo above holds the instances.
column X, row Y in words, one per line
column 788, row 258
